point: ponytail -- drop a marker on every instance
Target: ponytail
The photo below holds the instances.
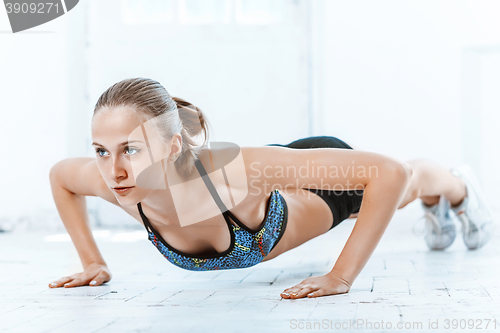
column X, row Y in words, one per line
column 194, row 124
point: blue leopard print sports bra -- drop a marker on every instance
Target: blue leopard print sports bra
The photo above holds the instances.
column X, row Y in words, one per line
column 248, row 247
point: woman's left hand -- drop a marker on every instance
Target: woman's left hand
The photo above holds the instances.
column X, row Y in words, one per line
column 314, row 286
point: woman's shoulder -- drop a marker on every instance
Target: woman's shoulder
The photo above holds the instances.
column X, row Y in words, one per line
column 252, row 154
column 258, row 158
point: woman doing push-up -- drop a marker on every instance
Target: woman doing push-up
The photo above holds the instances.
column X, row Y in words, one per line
column 209, row 206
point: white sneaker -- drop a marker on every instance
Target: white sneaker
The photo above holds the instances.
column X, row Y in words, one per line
column 439, row 226
column 474, row 212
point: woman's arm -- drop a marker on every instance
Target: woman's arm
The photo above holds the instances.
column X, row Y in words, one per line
column 71, row 180
column 384, row 180
column 380, row 201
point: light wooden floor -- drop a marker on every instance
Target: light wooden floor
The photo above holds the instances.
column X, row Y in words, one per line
column 403, row 283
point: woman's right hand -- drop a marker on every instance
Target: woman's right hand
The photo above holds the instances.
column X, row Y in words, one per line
column 93, row 275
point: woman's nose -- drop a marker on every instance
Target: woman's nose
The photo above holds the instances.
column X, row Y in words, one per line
column 118, row 169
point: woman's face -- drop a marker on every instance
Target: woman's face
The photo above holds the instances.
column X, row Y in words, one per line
column 118, row 136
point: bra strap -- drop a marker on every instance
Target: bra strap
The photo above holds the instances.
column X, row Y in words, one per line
column 211, row 187
column 145, row 220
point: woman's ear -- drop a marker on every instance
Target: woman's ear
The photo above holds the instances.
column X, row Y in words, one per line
column 176, row 147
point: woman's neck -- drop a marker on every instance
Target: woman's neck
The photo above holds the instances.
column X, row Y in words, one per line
column 184, row 202
column 161, row 201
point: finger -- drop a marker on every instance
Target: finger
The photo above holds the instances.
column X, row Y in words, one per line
column 317, row 293
column 60, row 282
column 295, row 289
column 75, row 283
column 101, row 278
column 287, row 293
column 292, row 290
column 304, row 291
column 303, row 283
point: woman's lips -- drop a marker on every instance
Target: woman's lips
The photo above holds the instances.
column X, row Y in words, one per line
column 122, row 189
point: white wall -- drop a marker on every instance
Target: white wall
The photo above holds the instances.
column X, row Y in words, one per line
column 397, row 78
column 481, row 113
column 34, row 91
column 392, row 73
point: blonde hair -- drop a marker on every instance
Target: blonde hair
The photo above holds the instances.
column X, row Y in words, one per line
column 152, row 100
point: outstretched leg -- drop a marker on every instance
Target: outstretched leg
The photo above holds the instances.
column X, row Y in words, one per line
column 429, row 181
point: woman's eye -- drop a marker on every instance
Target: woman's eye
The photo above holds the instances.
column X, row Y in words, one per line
column 98, row 151
column 132, row 149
